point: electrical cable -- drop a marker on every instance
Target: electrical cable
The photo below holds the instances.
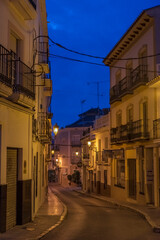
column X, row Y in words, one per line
column 93, row 63
column 98, row 57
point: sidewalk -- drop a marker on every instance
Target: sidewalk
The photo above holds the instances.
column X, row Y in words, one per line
column 149, row 212
column 49, row 216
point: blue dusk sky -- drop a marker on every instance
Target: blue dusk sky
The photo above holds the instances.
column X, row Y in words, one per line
column 92, row 27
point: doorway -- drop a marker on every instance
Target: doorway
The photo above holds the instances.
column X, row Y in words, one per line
column 132, row 178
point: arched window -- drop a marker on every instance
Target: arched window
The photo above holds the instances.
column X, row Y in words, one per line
column 144, row 115
column 143, row 61
column 129, row 113
column 118, row 76
column 119, row 118
column 129, row 69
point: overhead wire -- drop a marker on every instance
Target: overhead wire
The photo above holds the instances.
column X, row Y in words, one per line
column 99, row 57
column 93, row 63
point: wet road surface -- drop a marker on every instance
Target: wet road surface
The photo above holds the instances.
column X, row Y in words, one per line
column 94, row 219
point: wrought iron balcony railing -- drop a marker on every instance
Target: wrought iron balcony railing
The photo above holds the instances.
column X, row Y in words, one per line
column 24, row 79
column 41, row 48
column 7, row 69
column 130, row 132
column 156, row 128
column 15, row 73
column 136, row 78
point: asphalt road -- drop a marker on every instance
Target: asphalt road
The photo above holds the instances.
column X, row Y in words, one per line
column 93, row 219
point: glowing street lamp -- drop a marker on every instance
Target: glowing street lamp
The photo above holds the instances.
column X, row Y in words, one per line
column 55, row 129
column 89, row 143
column 77, row 153
column 52, row 152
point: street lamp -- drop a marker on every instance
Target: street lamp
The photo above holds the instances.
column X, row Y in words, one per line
column 89, row 143
column 52, row 152
column 55, row 129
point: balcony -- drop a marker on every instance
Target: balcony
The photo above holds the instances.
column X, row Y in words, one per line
column 5, row 66
column 156, row 129
column 15, row 76
column 26, row 8
column 43, row 128
column 24, row 81
column 138, row 77
column 41, row 48
column 132, row 131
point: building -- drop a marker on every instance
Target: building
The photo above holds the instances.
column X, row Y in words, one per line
column 68, row 151
column 134, row 97
column 25, row 123
column 96, row 157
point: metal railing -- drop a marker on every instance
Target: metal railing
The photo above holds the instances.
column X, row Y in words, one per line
column 41, row 47
column 15, row 73
column 136, row 78
column 130, row 131
column 6, row 66
column 24, row 81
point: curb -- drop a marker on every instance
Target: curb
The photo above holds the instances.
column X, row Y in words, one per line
column 62, row 217
column 154, row 227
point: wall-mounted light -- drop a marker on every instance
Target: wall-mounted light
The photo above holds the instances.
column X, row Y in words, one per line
column 89, row 143
column 52, row 152
column 55, row 129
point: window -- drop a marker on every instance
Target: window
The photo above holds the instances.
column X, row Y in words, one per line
column 129, row 73
column 95, row 179
column 141, row 169
column 118, row 124
column 105, row 179
column 144, row 116
column 15, row 44
column 43, row 170
column 118, row 76
column 106, row 142
column 99, row 150
column 119, row 118
column 143, row 61
column 76, row 139
column 120, row 172
column 36, row 166
column 129, row 113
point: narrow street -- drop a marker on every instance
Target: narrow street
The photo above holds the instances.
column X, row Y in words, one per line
column 90, row 218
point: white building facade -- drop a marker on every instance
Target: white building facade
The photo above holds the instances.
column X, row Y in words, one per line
column 23, row 144
column 134, row 111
